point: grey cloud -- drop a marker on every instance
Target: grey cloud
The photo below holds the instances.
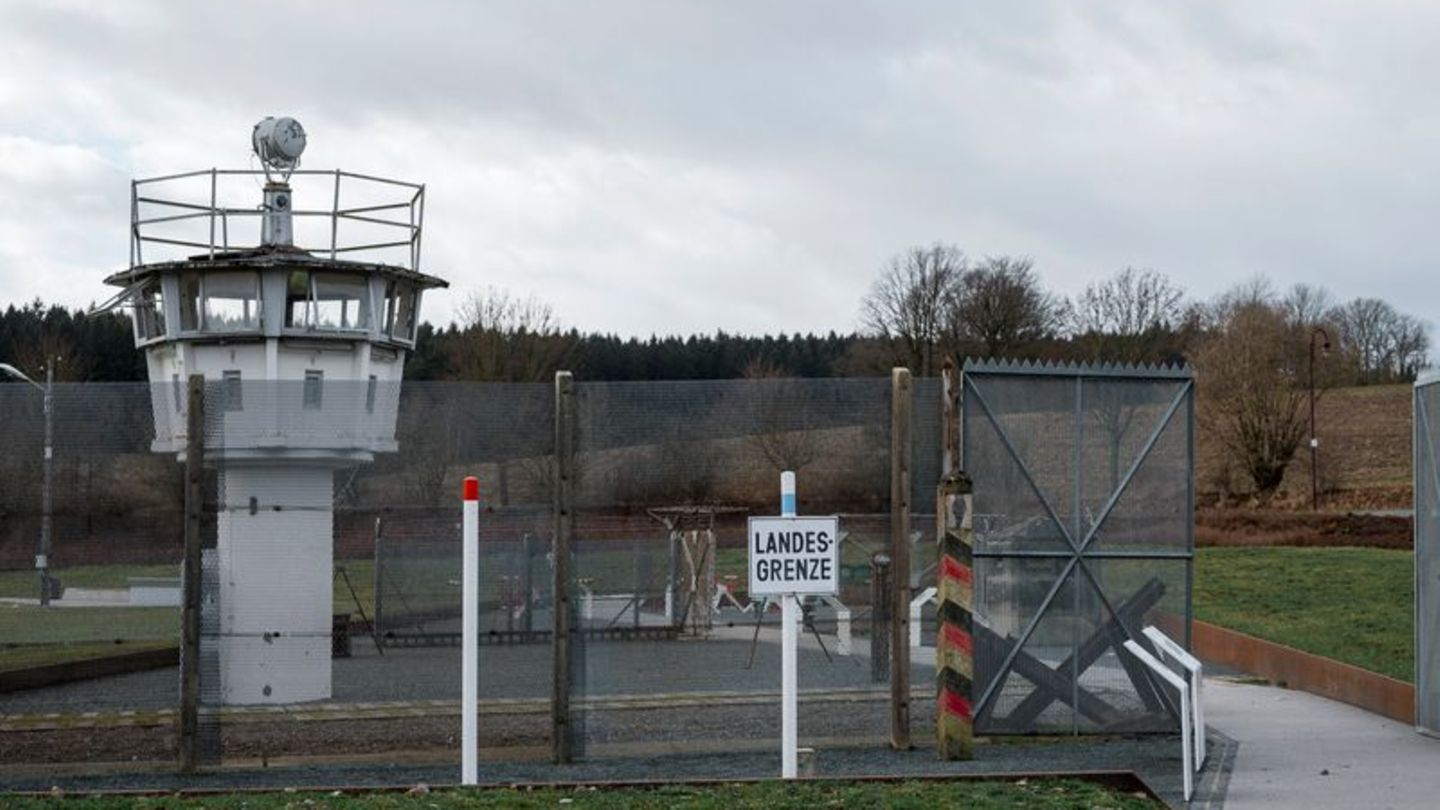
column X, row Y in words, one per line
column 681, row 167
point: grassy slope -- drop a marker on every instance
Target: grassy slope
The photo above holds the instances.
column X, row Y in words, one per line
column 1042, row 794
column 1352, row 604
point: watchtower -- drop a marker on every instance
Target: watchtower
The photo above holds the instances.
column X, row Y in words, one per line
column 304, row 348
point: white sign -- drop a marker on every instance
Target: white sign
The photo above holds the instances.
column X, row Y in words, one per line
column 794, row 555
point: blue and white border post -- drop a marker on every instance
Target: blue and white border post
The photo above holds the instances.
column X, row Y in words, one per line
column 469, row 633
column 791, row 556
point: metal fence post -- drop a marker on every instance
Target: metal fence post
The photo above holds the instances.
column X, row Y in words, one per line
column 561, row 742
column 377, row 583
column 900, row 457
column 954, row 642
column 880, row 617
column 190, row 605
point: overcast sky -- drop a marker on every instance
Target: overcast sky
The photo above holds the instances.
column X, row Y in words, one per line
column 675, row 167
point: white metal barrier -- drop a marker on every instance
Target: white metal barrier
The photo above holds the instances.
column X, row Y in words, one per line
column 917, row 607
column 1189, row 699
column 1170, row 650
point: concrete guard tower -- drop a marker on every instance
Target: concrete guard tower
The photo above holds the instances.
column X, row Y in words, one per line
column 305, row 347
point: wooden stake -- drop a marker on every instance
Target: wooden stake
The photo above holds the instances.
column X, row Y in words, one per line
column 954, row 642
column 900, row 456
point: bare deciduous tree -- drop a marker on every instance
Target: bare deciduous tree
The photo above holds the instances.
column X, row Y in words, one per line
column 1130, row 317
column 508, row 339
column 779, row 418
column 1386, row 345
column 1248, row 384
column 1308, row 305
column 911, row 304
column 1002, row 306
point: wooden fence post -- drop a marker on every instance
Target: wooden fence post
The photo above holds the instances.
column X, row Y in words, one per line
column 561, row 741
column 954, row 642
column 900, row 457
column 192, row 576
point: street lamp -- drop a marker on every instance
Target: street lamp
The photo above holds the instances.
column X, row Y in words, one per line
column 42, row 551
column 1315, row 442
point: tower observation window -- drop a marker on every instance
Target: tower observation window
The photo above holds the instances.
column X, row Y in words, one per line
column 150, row 312
column 232, row 301
column 327, row 301
column 190, row 302
column 400, row 310
column 341, row 301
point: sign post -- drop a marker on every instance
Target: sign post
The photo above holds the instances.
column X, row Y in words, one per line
column 791, row 556
column 469, row 632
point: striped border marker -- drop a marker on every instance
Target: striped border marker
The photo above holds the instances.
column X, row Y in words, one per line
column 954, row 644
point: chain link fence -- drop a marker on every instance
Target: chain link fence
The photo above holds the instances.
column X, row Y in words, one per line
column 1083, row 535
column 329, row 532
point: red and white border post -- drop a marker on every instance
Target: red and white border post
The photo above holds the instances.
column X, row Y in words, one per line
column 469, row 634
column 790, row 556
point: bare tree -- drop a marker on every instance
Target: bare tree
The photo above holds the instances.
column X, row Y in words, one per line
column 780, row 429
column 1132, row 316
column 508, row 339
column 1002, row 305
column 1249, row 386
column 1308, row 305
column 1410, row 346
column 1385, row 344
column 911, row 304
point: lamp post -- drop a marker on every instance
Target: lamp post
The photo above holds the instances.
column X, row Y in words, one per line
column 42, row 550
column 1315, row 442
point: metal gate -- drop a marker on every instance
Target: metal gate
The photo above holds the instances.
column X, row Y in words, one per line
column 1427, row 554
column 1084, row 502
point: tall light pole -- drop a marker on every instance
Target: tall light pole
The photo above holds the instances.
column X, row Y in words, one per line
column 42, row 550
column 1315, row 442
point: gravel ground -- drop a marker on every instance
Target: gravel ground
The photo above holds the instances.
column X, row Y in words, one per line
column 1155, row 759
column 622, row 741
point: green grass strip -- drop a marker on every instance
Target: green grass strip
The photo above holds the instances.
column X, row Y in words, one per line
column 1355, row 605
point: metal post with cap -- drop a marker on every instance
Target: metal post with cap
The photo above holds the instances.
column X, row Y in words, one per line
column 789, row 640
column 469, row 632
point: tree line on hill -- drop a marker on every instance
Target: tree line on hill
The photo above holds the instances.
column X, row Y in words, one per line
column 1257, row 349
column 926, row 303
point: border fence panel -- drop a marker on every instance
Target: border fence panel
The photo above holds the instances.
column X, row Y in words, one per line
column 1427, row 554
column 1083, row 535
column 671, row 654
column 112, row 566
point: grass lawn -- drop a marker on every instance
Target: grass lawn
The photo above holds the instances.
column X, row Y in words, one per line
column 35, row 636
column 1043, row 794
column 1352, row 604
column 34, row 656
column 25, row 582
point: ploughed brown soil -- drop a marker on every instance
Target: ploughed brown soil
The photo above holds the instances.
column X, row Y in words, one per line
column 1255, row 527
column 1364, row 457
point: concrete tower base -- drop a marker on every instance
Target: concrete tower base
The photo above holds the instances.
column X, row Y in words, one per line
column 275, row 553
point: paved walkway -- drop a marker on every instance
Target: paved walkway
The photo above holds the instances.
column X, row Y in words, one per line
column 1299, row 750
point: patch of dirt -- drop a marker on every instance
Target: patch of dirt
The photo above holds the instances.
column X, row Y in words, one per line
column 1255, row 527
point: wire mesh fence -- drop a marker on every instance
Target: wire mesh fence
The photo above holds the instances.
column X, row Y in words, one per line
column 667, row 475
column 109, row 586
column 1084, row 516
column 330, row 605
